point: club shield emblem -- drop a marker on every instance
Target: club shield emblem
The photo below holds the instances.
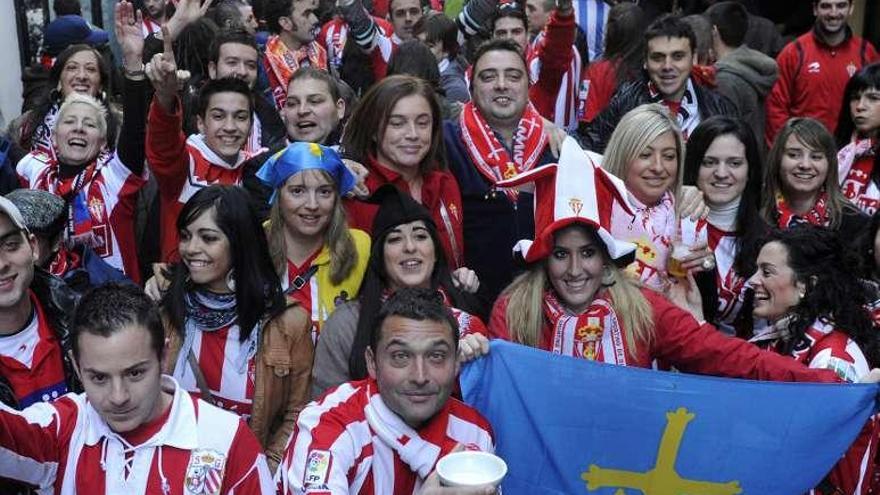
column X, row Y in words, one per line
column 204, row 474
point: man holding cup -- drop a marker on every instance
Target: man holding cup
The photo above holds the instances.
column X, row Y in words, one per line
column 385, row 434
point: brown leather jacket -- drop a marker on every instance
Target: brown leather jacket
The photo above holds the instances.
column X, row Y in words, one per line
column 283, row 372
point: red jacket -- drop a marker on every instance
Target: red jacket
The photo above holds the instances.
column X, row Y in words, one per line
column 678, row 339
column 439, row 191
column 555, row 72
column 181, row 166
column 812, row 77
column 599, row 83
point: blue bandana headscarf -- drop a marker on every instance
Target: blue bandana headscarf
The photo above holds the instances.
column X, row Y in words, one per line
column 300, row 156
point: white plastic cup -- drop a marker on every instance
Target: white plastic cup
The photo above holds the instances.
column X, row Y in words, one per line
column 471, row 468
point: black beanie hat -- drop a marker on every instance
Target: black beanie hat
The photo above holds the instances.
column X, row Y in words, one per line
column 396, row 208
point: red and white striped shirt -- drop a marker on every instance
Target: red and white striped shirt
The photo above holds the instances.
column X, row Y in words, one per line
column 555, row 68
column 111, row 197
column 216, row 353
column 65, row 448
column 336, row 450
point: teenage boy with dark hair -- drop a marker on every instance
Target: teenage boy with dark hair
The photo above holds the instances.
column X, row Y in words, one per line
column 182, row 165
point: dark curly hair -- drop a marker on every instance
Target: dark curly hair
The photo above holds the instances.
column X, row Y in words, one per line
column 829, row 270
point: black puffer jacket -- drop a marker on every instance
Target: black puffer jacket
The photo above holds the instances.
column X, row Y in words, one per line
column 58, row 302
column 595, row 135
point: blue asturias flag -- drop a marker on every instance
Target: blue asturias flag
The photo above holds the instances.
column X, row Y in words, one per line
column 570, row 426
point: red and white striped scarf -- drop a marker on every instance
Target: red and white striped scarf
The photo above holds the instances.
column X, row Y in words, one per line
column 855, row 164
column 491, row 157
column 731, row 285
column 595, row 334
column 817, row 215
column 150, row 27
column 283, row 62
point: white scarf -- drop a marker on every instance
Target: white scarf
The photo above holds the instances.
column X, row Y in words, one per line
column 421, row 455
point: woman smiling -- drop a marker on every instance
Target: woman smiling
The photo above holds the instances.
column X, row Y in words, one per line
column 321, row 260
column 723, row 161
column 79, row 69
column 806, row 285
column 801, row 181
column 231, row 337
column 646, row 151
column 397, row 133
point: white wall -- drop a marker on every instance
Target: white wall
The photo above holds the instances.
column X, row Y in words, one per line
column 10, row 65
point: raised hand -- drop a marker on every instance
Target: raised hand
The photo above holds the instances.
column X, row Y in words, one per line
column 162, row 72
column 188, row 12
column 128, row 25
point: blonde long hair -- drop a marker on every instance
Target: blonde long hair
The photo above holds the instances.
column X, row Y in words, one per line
column 525, row 306
column 635, row 132
column 343, row 254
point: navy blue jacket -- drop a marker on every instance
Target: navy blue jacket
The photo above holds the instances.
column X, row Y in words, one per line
column 492, row 223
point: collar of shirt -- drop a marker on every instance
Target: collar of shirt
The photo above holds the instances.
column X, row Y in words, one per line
column 179, row 431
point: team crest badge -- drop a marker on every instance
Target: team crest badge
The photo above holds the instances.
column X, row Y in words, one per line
column 204, row 474
column 96, row 208
column 851, row 69
column 576, row 205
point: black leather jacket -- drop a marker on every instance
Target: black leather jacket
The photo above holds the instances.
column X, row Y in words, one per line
column 595, row 135
column 58, row 302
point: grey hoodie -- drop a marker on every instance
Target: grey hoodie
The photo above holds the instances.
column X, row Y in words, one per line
column 746, row 77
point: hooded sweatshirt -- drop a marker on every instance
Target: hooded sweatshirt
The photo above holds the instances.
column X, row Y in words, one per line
column 746, row 76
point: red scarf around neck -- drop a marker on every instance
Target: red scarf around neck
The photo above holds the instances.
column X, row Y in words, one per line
column 595, row 334
column 858, row 179
column 491, row 157
column 817, row 215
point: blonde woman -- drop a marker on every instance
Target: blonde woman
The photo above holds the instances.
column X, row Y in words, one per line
column 320, row 260
column 646, row 151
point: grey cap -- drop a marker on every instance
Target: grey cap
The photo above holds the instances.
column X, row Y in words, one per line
column 11, row 211
column 40, row 211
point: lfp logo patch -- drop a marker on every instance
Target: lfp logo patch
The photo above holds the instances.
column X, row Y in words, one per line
column 317, row 468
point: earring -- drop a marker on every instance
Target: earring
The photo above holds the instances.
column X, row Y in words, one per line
column 230, row 280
